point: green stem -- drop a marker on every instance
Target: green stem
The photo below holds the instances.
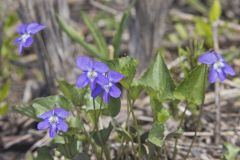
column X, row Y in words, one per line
column 176, row 140
column 136, row 126
column 94, row 147
column 67, row 149
column 103, row 146
column 195, row 133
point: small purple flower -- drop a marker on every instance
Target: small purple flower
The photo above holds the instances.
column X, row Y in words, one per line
column 26, row 32
column 219, row 68
column 54, row 120
column 107, row 85
column 91, row 71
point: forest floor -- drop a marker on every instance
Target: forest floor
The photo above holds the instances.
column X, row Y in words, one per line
column 18, row 133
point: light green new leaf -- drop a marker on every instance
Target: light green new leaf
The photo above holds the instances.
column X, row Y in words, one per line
column 118, row 35
column 156, row 134
column 97, row 35
column 232, row 151
column 163, row 116
column 192, row 88
column 4, row 90
column 3, row 108
column 215, row 11
column 157, row 80
column 126, row 66
column 76, row 37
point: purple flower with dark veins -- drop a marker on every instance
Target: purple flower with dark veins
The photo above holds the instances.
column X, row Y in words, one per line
column 54, row 120
column 26, row 32
column 91, row 71
column 107, row 86
column 218, row 67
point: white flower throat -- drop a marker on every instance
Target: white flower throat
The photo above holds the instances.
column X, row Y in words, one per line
column 91, row 75
column 107, row 87
column 24, row 37
column 53, row 120
column 218, row 66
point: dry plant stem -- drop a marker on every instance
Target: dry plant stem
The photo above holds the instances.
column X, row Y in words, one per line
column 217, row 86
column 176, row 140
column 195, row 133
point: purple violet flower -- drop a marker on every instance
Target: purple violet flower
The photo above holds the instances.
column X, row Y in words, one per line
column 26, row 32
column 54, row 120
column 218, row 67
column 91, row 71
column 107, row 86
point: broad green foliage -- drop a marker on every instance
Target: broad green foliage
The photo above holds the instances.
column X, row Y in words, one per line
column 156, row 134
column 157, row 80
column 232, row 151
column 215, row 11
column 192, row 88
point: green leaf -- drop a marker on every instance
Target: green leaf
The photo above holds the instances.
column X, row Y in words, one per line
column 204, row 29
column 51, row 102
column 215, row 11
column 192, row 88
column 198, row 6
column 43, row 153
column 4, row 90
column 75, row 122
column 41, row 105
column 113, row 107
column 76, row 37
column 69, row 149
column 126, row 66
column 101, row 137
column 232, row 151
column 156, row 134
column 123, row 133
column 71, row 92
column 163, row 116
column 118, row 35
column 180, row 28
column 135, row 90
column 157, row 80
column 3, row 108
column 97, row 35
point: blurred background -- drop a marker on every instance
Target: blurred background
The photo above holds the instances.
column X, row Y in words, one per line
column 180, row 28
